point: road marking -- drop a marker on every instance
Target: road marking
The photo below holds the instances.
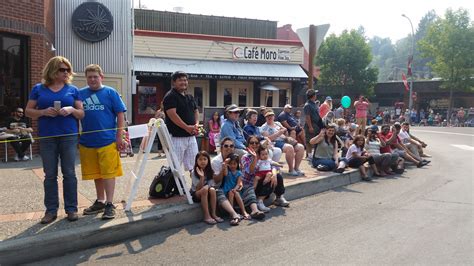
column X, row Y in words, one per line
column 447, row 133
column 463, row 147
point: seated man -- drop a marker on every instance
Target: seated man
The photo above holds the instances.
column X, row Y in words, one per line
column 19, row 126
column 287, row 119
column 416, row 141
column 392, row 138
column 410, row 144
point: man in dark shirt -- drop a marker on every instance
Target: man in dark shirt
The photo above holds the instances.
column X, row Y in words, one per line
column 287, row 119
column 314, row 123
column 182, row 119
column 261, row 117
column 19, row 126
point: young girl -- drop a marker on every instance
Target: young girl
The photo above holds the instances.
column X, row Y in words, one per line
column 201, row 188
column 264, row 166
column 357, row 156
column 214, row 130
column 233, row 183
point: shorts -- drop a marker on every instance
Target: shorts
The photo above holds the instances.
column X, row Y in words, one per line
column 400, row 153
column 262, row 174
column 279, row 143
column 103, row 162
column 185, row 149
column 220, row 196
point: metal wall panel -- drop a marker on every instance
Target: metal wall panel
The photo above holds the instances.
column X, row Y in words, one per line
column 201, row 24
column 114, row 54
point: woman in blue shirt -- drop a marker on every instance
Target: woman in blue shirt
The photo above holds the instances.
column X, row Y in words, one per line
column 57, row 106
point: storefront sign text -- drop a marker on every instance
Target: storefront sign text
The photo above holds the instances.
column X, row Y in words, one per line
column 260, row 53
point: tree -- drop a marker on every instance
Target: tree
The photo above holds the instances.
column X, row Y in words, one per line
column 383, row 52
column 450, row 42
column 344, row 62
column 420, row 63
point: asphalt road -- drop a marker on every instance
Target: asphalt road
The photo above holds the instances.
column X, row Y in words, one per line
column 424, row 216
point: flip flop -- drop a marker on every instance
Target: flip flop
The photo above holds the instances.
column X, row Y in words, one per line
column 210, row 221
column 219, row 219
column 247, row 217
column 235, row 221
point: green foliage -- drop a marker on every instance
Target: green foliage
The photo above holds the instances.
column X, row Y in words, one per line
column 344, row 62
column 450, row 42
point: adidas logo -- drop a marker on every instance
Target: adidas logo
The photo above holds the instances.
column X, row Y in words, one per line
column 93, row 104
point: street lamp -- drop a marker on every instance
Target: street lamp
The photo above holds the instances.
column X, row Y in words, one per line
column 410, row 99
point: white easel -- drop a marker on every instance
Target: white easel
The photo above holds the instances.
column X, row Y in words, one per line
column 148, row 133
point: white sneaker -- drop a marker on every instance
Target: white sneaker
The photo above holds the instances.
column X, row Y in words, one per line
column 25, row 158
column 281, row 201
column 262, row 206
column 293, row 173
column 17, row 158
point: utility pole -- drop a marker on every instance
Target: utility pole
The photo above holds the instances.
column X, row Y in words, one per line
column 410, row 97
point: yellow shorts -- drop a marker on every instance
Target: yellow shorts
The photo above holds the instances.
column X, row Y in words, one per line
column 103, row 162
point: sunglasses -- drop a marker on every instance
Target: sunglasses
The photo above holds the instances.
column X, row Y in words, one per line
column 20, row 112
column 253, row 142
column 228, row 146
column 63, row 70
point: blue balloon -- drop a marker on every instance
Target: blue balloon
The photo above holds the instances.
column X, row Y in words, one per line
column 346, row 101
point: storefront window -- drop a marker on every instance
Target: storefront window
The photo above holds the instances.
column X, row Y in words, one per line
column 242, row 97
column 269, row 98
column 227, row 96
column 198, row 98
column 13, row 74
column 147, row 100
column 283, row 98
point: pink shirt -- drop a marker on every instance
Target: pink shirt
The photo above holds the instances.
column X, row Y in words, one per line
column 361, row 109
column 324, row 110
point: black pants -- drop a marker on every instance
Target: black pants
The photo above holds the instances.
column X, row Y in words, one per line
column 356, row 162
column 20, row 146
column 264, row 190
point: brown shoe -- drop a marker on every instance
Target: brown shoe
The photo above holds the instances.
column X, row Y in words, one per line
column 72, row 216
column 48, row 218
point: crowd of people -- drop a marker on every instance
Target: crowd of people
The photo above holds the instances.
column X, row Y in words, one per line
column 247, row 168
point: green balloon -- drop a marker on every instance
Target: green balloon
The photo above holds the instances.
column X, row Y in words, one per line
column 346, row 101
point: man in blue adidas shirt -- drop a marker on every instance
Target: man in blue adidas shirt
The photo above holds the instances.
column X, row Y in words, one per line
column 100, row 140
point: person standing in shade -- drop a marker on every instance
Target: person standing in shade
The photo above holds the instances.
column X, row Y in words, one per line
column 182, row 120
column 58, row 107
column 101, row 140
column 361, row 106
column 313, row 122
column 19, row 125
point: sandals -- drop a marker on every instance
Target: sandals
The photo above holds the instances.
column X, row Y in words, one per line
column 234, row 221
column 210, row 221
column 218, row 219
column 257, row 215
column 247, row 217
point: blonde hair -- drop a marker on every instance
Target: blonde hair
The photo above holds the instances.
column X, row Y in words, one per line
column 340, row 122
column 94, row 68
column 51, row 69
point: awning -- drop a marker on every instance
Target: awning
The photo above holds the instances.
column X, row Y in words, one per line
column 218, row 69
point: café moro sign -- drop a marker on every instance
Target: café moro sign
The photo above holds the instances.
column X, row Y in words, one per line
column 92, row 21
column 260, row 53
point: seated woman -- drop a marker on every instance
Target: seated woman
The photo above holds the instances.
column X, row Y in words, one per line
column 251, row 129
column 357, row 155
column 326, row 156
column 214, row 130
column 263, row 188
column 293, row 150
column 382, row 161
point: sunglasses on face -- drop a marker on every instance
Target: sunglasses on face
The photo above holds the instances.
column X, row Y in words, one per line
column 253, row 142
column 228, row 146
column 64, row 70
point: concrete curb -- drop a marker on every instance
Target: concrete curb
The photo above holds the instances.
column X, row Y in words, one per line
column 33, row 248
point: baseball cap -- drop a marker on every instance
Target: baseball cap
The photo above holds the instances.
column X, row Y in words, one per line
column 288, row 106
column 328, row 98
column 374, row 128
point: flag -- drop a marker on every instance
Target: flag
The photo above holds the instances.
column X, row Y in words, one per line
column 410, row 60
column 405, row 82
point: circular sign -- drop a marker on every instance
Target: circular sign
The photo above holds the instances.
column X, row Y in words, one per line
column 92, row 21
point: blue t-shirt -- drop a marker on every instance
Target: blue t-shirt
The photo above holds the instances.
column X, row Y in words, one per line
column 284, row 116
column 59, row 125
column 230, row 180
column 101, row 108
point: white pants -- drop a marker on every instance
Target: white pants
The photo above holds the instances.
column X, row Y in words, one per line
column 185, row 149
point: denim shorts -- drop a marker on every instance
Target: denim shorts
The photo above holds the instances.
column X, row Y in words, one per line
column 279, row 143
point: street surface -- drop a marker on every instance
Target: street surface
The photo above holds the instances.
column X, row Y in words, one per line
column 424, row 216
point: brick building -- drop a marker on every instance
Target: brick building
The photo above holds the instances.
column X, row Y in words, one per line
column 26, row 44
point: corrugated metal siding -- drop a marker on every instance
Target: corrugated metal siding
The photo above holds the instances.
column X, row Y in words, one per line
column 201, row 24
column 198, row 49
column 113, row 53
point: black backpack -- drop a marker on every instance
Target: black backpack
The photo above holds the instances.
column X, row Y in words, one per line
column 163, row 185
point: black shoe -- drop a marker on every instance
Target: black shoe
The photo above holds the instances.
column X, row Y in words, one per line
column 426, row 161
column 339, row 170
column 366, row 178
column 95, row 208
column 420, row 164
column 109, row 212
column 72, row 216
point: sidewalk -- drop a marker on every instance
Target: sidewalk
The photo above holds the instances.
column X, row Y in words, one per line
column 23, row 239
